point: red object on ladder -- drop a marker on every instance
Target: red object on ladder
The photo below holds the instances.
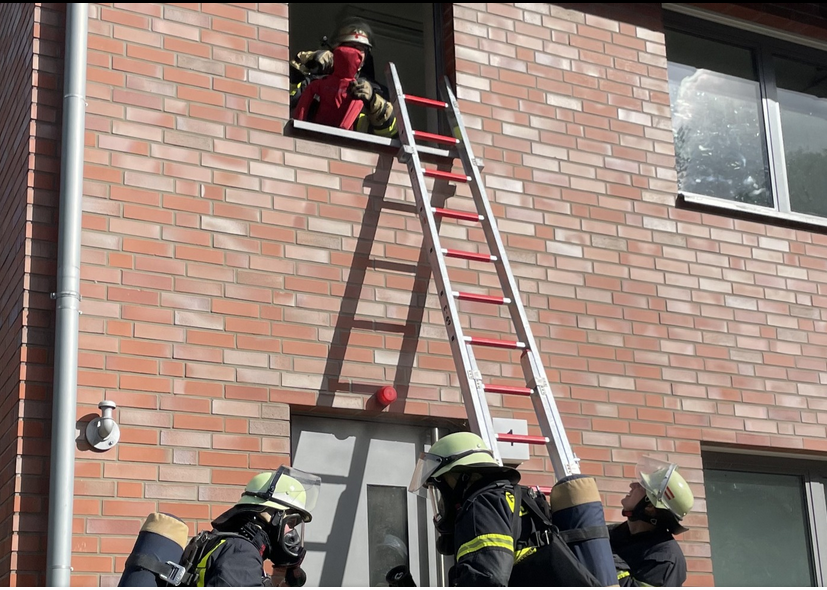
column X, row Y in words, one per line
column 471, row 381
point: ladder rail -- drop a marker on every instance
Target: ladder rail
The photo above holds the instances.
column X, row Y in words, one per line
column 470, row 379
column 490, row 229
column 563, row 459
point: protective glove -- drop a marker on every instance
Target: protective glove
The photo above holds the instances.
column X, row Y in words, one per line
column 361, row 89
column 317, row 62
column 379, row 110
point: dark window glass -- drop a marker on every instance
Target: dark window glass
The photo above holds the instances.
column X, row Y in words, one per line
column 387, row 531
column 802, row 98
column 758, row 529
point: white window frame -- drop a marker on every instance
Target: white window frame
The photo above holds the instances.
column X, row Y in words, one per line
column 780, row 212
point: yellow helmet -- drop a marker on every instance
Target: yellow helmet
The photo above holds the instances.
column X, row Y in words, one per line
column 284, row 489
column 452, row 451
column 665, row 487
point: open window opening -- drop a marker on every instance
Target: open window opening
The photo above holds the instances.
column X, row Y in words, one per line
column 407, row 34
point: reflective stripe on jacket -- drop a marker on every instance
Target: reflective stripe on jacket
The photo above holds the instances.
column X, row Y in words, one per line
column 484, row 545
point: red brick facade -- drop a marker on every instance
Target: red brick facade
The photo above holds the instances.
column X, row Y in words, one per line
column 30, row 119
column 233, row 273
column 16, row 61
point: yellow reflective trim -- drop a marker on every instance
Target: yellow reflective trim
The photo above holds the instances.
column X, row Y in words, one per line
column 621, row 575
column 363, row 125
column 509, row 497
column 294, row 88
column 388, row 131
column 483, row 541
column 523, row 554
column 201, row 568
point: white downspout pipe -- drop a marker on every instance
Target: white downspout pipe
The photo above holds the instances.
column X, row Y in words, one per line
column 67, row 296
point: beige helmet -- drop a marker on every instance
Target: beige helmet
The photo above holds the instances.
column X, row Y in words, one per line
column 353, row 31
column 665, row 487
column 284, row 489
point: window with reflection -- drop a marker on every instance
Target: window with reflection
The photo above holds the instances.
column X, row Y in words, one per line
column 387, row 531
column 802, row 99
column 744, row 555
column 749, row 115
column 767, row 519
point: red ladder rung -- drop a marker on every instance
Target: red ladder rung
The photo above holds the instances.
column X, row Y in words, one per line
column 425, row 136
column 495, row 299
column 468, row 255
column 425, row 102
column 447, row 175
column 494, row 343
column 507, row 389
column 454, row 214
column 522, row 438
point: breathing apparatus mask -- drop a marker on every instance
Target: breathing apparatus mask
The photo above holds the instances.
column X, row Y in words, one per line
column 443, row 497
column 286, row 533
column 445, row 514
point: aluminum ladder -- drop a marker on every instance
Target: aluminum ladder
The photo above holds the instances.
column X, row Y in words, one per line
column 474, row 388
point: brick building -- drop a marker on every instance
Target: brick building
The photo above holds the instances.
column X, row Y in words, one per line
column 249, row 283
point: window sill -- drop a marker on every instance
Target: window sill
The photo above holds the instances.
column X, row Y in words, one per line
column 753, row 212
column 365, row 142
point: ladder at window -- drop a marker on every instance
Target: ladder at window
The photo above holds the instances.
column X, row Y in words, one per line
column 474, row 388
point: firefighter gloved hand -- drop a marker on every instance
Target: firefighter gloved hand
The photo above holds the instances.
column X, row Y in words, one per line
column 361, row 89
column 379, row 110
column 316, row 62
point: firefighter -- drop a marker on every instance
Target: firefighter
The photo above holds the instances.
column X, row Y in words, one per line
column 499, row 532
column 469, row 492
column 269, row 521
column 646, row 552
column 326, row 69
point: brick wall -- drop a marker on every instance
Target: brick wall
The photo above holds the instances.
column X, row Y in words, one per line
column 800, row 18
column 16, row 61
column 32, row 37
column 665, row 327
column 233, row 274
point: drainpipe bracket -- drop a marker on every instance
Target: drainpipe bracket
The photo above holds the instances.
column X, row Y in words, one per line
column 103, row 433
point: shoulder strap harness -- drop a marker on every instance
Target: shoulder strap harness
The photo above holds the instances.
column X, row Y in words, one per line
column 183, row 573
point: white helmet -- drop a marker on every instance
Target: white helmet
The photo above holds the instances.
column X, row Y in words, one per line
column 665, row 487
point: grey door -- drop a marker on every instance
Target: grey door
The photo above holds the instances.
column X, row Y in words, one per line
column 365, row 521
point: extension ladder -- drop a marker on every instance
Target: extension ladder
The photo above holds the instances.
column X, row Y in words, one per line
column 474, row 389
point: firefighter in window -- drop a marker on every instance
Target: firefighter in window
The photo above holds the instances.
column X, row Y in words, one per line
column 338, row 86
column 646, row 552
column 267, row 523
column 505, row 534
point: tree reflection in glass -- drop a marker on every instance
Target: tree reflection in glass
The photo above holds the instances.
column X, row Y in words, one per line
column 802, row 97
column 720, row 144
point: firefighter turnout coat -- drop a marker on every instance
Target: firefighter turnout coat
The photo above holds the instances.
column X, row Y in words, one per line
column 651, row 558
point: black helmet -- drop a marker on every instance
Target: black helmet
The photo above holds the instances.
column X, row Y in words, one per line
column 353, row 30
